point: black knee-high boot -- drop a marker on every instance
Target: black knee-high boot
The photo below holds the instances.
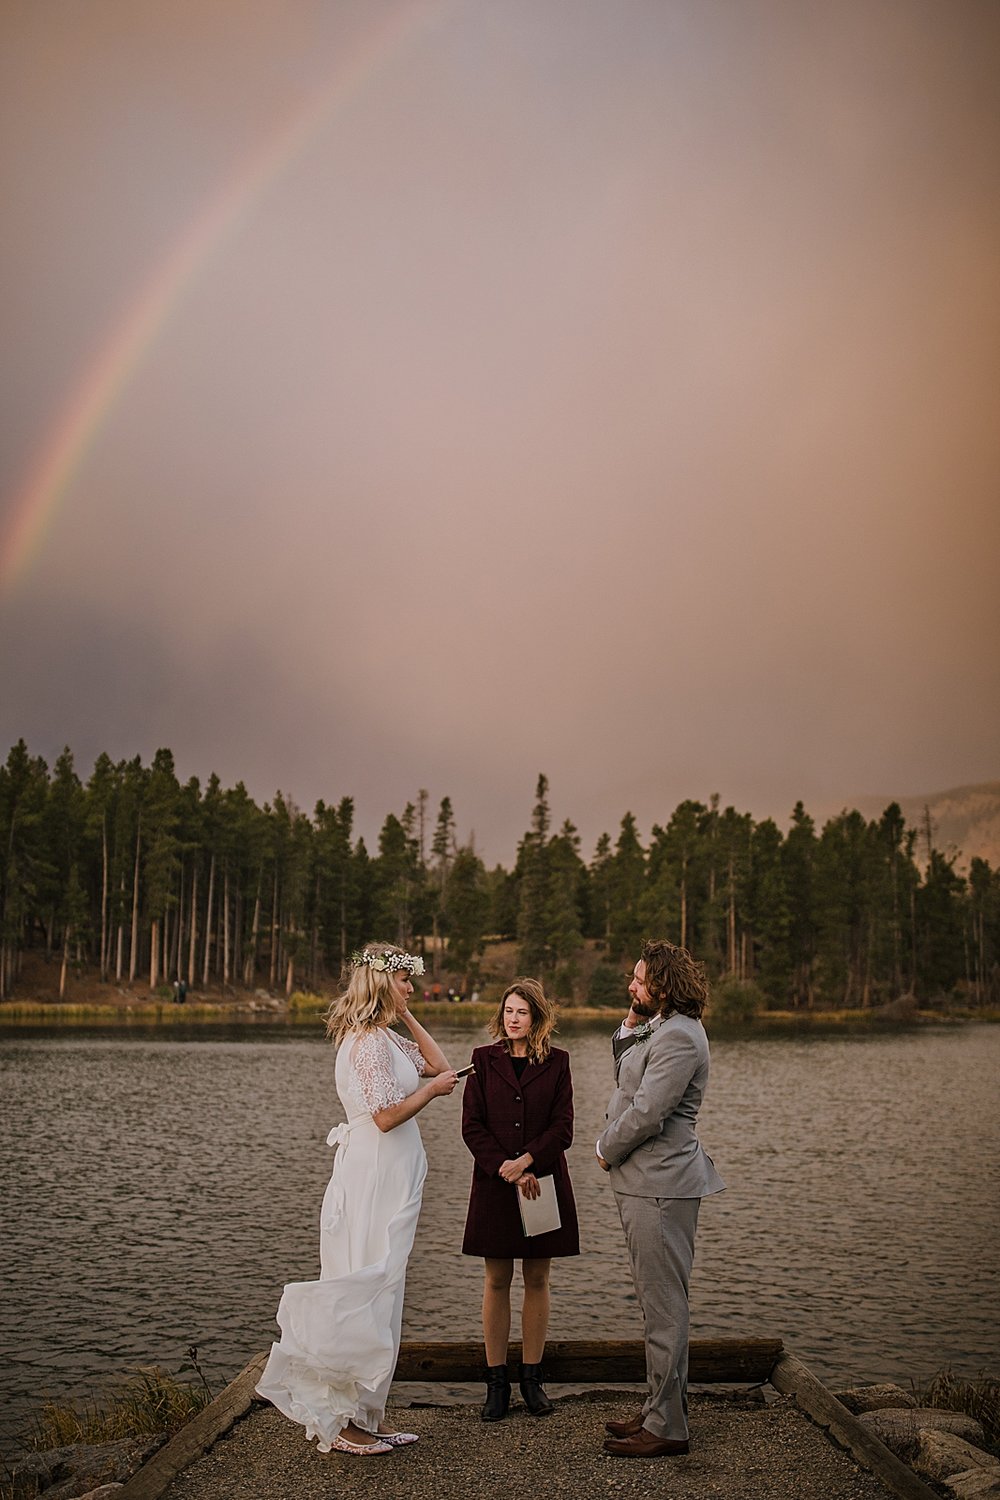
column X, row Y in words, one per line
column 497, row 1393
column 535, row 1398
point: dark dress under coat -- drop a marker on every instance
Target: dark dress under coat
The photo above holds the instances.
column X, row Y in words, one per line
column 502, row 1118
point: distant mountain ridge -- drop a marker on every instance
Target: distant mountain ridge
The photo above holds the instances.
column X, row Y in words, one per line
column 965, row 820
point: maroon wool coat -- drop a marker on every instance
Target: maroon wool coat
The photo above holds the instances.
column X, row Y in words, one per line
column 502, row 1118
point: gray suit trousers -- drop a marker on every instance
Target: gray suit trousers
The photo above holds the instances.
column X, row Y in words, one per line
column 659, row 1233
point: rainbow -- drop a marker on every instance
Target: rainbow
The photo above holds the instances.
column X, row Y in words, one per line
column 72, row 435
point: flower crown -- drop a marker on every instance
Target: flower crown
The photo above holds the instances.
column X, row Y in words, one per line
column 388, row 963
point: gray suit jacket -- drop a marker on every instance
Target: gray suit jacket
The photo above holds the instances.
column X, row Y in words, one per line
column 650, row 1141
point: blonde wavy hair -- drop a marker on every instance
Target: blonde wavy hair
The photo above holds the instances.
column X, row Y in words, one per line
column 367, row 999
column 543, row 1018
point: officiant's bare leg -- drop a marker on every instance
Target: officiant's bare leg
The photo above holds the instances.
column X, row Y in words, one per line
column 496, row 1309
column 534, row 1326
column 497, row 1278
column 535, row 1311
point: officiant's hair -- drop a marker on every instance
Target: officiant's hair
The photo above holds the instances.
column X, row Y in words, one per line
column 366, row 999
column 675, row 981
column 543, row 1018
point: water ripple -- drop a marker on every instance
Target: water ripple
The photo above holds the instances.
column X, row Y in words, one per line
column 158, row 1192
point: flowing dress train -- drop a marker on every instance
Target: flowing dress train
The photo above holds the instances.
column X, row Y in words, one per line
column 340, row 1335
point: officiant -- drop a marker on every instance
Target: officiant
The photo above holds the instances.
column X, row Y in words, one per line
column 517, row 1120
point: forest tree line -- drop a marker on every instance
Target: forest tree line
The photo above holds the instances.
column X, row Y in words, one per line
column 134, row 876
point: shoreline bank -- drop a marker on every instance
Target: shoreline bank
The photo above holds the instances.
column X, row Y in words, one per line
column 127, row 1007
column 799, row 1438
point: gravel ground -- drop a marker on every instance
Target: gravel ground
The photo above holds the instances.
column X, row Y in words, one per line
column 741, row 1449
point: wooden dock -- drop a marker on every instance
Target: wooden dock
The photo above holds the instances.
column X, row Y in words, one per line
column 605, row 1363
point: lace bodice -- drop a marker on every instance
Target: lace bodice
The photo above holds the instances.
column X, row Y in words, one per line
column 372, row 1080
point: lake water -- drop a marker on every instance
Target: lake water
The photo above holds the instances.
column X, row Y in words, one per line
column 158, row 1188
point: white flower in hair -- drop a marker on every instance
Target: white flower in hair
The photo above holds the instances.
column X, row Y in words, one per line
column 388, row 963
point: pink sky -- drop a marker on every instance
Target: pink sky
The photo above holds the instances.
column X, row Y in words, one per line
column 466, row 390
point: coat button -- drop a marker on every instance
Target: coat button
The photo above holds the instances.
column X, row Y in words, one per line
column 517, row 1098
column 517, row 1124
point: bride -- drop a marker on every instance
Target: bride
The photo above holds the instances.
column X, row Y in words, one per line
column 333, row 1366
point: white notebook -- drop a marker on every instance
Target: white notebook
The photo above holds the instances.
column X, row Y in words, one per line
column 539, row 1215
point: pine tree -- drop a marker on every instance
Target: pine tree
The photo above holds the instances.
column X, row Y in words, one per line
column 940, row 937
column 333, row 881
column 599, row 926
column 395, row 875
column 102, row 793
column 466, row 912
column 64, row 819
column 567, row 874
column 799, row 857
column 443, row 853
column 768, row 914
column 735, row 832
column 984, row 922
column 535, row 955
column 628, row 874
column 676, row 891
column 23, row 794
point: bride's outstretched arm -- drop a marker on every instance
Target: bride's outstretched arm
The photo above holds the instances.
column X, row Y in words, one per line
column 395, row 1114
column 429, row 1049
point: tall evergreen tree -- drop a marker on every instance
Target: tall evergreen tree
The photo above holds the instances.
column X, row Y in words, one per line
column 504, row 892
column 395, row 878
column 599, row 925
column 334, row 878
column 676, row 892
column 23, row 795
column 566, row 876
column 735, row 833
column 713, row 923
column 798, row 856
column 161, row 816
column 535, row 955
column 940, row 935
column 466, row 912
column 64, row 820
column 843, row 926
column 769, row 916
column 984, row 923
column 443, row 855
column 628, row 874
column 102, row 793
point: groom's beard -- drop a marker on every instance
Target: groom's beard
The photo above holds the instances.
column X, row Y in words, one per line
column 646, row 1011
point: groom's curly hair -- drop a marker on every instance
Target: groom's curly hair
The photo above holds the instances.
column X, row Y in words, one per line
column 676, row 982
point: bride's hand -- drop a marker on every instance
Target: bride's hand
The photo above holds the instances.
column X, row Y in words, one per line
column 443, row 1083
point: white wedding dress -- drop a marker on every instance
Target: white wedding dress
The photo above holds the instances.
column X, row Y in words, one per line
column 340, row 1335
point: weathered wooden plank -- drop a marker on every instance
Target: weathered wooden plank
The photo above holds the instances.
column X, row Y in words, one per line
column 196, row 1437
column 792, row 1377
column 611, row 1361
column 712, row 1361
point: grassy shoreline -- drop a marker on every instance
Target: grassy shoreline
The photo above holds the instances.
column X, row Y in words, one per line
column 307, row 1009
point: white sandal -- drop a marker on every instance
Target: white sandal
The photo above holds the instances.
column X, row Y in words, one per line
column 396, row 1439
column 360, row 1450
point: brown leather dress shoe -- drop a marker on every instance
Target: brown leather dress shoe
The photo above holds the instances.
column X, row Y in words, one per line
column 624, row 1429
column 645, row 1444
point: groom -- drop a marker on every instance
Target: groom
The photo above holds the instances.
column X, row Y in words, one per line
column 660, row 1173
